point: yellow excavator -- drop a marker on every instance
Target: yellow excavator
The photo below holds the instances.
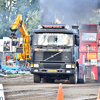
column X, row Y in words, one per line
column 19, row 24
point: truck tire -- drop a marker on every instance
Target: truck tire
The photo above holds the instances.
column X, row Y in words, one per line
column 36, row 78
column 74, row 78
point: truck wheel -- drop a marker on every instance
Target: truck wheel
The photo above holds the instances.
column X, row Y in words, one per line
column 74, row 78
column 36, row 78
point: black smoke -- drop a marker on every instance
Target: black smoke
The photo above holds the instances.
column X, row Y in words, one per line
column 67, row 11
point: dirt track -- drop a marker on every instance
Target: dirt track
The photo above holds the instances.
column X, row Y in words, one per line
column 23, row 88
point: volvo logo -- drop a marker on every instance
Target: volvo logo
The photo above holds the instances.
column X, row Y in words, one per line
column 66, row 58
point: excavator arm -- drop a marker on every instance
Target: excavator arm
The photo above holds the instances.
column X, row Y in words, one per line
column 19, row 24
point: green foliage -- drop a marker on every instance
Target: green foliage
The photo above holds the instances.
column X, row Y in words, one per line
column 33, row 21
column 2, row 4
column 11, row 8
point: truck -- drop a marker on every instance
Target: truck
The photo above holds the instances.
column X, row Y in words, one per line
column 55, row 52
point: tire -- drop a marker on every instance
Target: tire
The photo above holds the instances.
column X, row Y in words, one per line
column 36, row 78
column 74, row 78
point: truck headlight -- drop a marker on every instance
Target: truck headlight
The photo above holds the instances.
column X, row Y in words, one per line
column 68, row 66
column 36, row 65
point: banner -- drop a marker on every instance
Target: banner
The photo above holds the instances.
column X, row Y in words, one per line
column 91, row 56
column 92, row 48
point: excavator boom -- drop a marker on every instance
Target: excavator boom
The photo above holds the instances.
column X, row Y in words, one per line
column 19, row 24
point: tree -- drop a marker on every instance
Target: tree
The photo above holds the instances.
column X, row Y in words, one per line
column 11, row 8
column 33, row 21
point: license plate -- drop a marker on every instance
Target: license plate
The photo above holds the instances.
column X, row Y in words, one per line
column 52, row 49
column 50, row 70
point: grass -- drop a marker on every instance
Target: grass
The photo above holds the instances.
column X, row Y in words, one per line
column 11, row 75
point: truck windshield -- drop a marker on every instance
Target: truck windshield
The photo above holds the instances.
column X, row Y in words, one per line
column 89, row 36
column 53, row 39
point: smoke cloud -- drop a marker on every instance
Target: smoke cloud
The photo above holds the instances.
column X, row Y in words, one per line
column 67, row 11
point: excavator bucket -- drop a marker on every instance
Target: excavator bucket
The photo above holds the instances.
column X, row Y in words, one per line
column 13, row 33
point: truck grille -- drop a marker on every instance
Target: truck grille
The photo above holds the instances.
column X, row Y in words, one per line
column 53, row 56
column 51, row 66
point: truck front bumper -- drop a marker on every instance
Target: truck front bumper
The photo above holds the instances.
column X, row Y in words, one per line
column 53, row 71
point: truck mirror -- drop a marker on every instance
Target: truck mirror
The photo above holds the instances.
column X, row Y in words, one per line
column 76, row 40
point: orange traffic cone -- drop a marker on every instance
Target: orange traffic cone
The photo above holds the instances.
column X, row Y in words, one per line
column 98, row 94
column 60, row 93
